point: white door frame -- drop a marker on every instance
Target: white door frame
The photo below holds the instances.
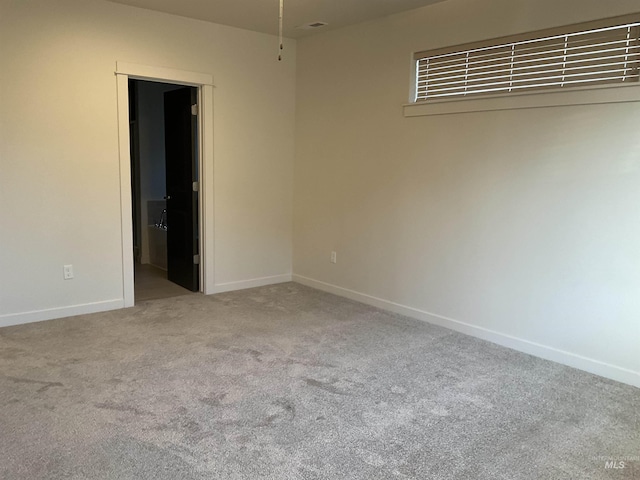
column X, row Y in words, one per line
column 204, row 83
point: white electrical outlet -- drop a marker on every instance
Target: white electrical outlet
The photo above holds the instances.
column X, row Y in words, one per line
column 333, row 257
column 68, row 272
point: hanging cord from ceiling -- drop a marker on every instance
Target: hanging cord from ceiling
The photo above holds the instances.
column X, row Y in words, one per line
column 280, row 43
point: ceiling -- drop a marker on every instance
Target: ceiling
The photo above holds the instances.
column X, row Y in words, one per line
column 262, row 15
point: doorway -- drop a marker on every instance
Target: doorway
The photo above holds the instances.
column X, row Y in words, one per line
column 204, row 83
column 164, row 143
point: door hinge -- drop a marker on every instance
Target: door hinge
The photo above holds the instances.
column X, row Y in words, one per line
column 196, row 186
column 196, row 259
column 194, row 109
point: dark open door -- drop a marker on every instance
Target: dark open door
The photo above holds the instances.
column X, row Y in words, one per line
column 180, row 127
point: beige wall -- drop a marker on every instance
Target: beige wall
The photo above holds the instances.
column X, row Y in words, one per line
column 59, row 166
column 520, row 226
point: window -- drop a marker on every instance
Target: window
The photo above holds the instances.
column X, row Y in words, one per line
column 592, row 54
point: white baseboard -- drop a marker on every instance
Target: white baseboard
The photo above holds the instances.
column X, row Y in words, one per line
column 60, row 312
column 590, row 365
column 254, row 282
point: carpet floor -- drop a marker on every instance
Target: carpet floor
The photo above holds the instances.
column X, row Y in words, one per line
column 287, row 382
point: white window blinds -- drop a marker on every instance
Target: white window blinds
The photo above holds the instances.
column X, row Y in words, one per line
column 578, row 57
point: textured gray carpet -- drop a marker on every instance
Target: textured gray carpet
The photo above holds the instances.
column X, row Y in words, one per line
column 286, row 382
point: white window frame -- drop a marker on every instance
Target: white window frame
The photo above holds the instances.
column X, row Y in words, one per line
column 580, row 95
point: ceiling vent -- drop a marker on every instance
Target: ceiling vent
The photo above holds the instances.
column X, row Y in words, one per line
column 312, row 25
